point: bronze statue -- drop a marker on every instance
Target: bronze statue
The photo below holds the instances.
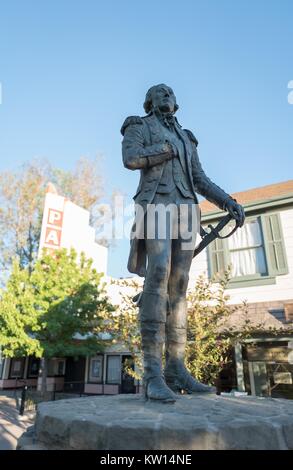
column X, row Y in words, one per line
column 171, row 173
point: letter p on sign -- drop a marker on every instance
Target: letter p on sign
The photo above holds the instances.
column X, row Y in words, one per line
column 55, row 217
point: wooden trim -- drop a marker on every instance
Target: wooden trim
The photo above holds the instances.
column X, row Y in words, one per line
column 22, row 359
column 239, row 367
column 264, row 339
column 30, row 360
column 112, row 383
column 98, row 382
column 256, row 281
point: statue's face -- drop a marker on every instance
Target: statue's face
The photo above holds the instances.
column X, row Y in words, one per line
column 164, row 99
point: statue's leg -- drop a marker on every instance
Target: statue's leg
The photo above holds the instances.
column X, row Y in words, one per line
column 152, row 313
column 176, row 375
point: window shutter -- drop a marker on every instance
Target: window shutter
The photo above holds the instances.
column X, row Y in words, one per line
column 274, row 242
column 217, row 256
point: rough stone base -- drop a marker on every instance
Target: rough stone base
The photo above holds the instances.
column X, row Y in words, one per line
column 199, row 422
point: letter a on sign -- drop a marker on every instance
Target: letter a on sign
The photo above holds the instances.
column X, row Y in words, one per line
column 55, row 217
column 53, row 237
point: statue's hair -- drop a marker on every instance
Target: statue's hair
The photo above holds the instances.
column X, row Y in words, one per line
column 148, row 103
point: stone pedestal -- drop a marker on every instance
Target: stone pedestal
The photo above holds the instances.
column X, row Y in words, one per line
column 199, row 422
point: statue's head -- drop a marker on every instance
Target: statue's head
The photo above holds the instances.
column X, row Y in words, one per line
column 160, row 97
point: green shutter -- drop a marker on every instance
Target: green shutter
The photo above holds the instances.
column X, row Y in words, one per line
column 274, row 244
column 217, row 257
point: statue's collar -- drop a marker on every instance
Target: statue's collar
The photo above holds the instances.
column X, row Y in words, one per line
column 167, row 119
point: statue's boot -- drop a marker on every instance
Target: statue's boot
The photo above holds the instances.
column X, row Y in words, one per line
column 176, row 375
column 153, row 337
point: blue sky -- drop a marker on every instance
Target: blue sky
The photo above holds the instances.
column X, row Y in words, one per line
column 71, row 71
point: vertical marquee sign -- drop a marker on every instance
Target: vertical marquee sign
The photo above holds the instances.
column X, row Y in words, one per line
column 67, row 225
column 51, row 234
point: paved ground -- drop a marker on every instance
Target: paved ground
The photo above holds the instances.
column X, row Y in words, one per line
column 11, row 424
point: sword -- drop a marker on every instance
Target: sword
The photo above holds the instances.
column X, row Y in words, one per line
column 209, row 237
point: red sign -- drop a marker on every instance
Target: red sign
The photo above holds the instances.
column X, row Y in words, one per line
column 53, row 237
column 55, row 218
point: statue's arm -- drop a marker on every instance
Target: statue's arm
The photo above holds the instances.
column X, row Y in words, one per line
column 205, row 186
column 136, row 155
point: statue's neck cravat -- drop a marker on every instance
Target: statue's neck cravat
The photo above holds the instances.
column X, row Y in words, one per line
column 167, row 119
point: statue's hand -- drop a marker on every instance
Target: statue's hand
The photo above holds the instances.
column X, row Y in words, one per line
column 235, row 210
column 173, row 149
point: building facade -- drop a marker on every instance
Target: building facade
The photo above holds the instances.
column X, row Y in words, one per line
column 260, row 255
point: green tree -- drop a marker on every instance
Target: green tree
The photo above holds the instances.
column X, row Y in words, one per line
column 56, row 310
column 17, row 316
column 207, row 349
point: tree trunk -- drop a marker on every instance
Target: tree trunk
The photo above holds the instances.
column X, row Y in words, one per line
column 44, row 373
